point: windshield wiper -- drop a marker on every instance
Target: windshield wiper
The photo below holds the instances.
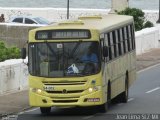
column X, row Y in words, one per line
column 74, row 49
column 48, row 45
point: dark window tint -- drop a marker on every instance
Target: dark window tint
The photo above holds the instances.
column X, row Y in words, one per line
column 29, row 21
column 119, row 43
column 18, row 20
column 121, row 40
column 109, row 46
column 129, row 38
column 133, row 36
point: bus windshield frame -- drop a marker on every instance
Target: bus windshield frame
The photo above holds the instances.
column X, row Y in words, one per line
column 64, row 59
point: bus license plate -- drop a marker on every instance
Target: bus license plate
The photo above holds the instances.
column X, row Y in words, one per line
column 48, row 88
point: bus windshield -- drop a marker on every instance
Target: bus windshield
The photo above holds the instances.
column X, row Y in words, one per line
column 64, row 59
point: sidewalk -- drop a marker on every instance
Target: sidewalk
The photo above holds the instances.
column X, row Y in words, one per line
column 148, row 59
column 17, row 102
column 13, row 103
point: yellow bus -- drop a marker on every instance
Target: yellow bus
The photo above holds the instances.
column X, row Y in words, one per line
column 83, row 62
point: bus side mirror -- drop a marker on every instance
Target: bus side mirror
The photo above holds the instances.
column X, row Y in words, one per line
column 23, row 53
column 105, row 51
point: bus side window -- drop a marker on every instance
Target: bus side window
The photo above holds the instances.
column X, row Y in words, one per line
column 129, row 38
column 107, row 44
column 102, row 45
column 111, row 45
column 125, row 39
column 116, row 43
column 132, row 36
column 121, row 41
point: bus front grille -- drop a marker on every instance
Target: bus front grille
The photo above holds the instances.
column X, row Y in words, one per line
column 66, row 92
column 64, row 101
column 64, row 82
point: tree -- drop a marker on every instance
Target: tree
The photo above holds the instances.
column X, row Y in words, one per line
column 139, row 19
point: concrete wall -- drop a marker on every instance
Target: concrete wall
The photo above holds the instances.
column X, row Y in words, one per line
column 147, row 39
column 14, row 34
column 13, row 76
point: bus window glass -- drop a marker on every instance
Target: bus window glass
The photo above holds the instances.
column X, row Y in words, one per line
column 64, row 59
column 124, row 43
column 112, row 45
column 119, row 42
column 129, row 38
column 125, row 38
column 115, row 37
column 109, row 46
column 133, row 36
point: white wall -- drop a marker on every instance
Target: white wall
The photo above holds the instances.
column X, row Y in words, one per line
column 146, row 39
column 13, row 76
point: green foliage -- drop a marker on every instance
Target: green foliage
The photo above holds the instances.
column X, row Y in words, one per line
column 8, row 53
column 148, row 24
column 139, row 19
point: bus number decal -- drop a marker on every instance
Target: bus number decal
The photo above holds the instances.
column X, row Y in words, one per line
column 48, row 88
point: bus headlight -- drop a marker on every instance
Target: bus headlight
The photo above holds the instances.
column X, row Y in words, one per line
column 90, row 89
column 39, row 91
column 36, row 90
column 95, row 88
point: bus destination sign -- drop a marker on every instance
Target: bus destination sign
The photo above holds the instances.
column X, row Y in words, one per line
column 62, row 34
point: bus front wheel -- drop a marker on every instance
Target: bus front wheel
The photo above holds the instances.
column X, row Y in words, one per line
column 45, row 110
column 104, row 107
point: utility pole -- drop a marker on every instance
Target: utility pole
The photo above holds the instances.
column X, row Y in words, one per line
column 158, row 21
column 67, row 9
column 118, row 5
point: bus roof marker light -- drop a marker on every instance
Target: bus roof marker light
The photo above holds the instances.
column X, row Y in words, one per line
column 90, row 17
column 76, row 22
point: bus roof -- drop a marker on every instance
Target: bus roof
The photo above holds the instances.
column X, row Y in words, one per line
column 101, row 23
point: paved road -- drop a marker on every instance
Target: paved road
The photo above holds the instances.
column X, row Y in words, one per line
column 144, row 98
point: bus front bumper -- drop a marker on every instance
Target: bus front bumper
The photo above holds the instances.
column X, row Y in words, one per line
column 92, row 99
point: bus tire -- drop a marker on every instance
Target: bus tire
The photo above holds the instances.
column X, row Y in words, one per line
column 104, row 107
column 124, row 95
column 45, row 110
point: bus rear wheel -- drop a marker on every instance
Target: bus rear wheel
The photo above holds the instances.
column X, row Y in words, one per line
column 45, row 110
column 124, row 95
